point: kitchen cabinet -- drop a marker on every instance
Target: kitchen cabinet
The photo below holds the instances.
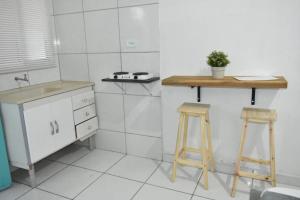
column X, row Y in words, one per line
column 52, row 131
column 40, row 120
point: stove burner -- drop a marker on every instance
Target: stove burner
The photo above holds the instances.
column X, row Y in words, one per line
column 140, row 73
column 116, row 74
column 137, row 74
column 120, row 73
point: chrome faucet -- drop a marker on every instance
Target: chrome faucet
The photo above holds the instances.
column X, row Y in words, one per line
column 22, row 79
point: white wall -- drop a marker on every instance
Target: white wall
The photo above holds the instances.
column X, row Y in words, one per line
column 261, row 38
column 7, row 81
column 93, row 37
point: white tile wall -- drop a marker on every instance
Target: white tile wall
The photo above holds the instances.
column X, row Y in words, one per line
column 99, row 4
column 142, row 62
column 139, row 28
column 143, row 115
column 110, row 111
column 7, row 81
column 101, row 65
column 110, row 140
column 70, row 33
column 50, row 6
column 44, row 75
column 148, row 62
column 67, row 6
column 135, row 2
column 102, row 31
column 74, row 67
column 144, row 146
column 92, row 39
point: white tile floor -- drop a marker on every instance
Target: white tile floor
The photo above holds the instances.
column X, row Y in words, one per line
column 76, row 173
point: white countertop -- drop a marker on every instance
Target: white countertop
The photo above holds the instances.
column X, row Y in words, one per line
column 34, row 92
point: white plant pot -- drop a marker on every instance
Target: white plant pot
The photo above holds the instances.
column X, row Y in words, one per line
column 218, row 72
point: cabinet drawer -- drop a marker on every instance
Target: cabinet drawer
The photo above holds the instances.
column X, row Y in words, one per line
column 87, row 127
column 83, row 99
column 84, row 114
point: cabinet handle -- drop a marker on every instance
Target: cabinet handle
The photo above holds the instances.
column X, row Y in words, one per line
column 52, row 128
column 57, row 127
column 87, row 114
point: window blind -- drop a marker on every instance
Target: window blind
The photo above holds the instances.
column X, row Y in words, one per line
column 26, row 39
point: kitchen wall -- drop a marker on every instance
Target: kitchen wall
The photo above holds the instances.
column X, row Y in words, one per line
column 99, row 37
column 7, row 81
column 261, row 38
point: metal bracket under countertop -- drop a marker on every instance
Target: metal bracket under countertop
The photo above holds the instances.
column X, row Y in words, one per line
column 253, row 94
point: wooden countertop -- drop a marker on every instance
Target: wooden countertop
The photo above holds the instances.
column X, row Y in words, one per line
column 227, row 82
column 43, row 90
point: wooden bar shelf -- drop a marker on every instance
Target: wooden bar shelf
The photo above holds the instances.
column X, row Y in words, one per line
column 227, row 82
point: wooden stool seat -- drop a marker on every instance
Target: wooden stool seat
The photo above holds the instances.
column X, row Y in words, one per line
column 194, row 108
column 258, row 115
column 264, row 116
column 201, row 111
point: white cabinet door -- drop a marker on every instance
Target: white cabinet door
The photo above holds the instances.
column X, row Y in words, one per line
column 62, row 116
column 40, row 131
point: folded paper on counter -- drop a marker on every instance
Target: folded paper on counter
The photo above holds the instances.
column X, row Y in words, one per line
column 255, row 78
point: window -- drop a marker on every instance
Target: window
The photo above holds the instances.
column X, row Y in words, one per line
column 26, row 39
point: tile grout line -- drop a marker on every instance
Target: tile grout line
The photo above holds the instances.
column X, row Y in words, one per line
column 108, row 52
column 128, row 94
column 88, row 185
column 53, row 193
column 56, row 47
column 146, row 181
column 85, row 40
column 23, row 193
column 66, row 166
column 36, row 187
column 103, row 173
column 123, row 85
column 106, row 172
column 199, row 180
column 162, row 187
column 103, row 9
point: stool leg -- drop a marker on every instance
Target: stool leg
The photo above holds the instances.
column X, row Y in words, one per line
column 210, row 149
column 204, row 151
column 186, row 124
column 238, row 163
column 178, row 142
column 272, row 153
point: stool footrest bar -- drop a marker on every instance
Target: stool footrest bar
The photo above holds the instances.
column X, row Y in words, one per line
column 253, row 160
column 191, row 163
column 254, row 176
column 193, row 150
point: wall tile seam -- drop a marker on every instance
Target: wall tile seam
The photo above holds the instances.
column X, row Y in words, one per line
column 108, row 52
column 101, row 9
column 99, row 131
column 128, row 94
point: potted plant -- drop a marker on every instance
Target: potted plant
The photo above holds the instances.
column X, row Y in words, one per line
column 218, row 61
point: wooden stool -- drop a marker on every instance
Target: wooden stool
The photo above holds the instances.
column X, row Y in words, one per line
column 261, row 116
column 201, row 111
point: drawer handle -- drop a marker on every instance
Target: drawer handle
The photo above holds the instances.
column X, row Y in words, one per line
column 87, row 114
column 84, row 100
column 90, row 127
column 57, row 126
column 52, row 128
